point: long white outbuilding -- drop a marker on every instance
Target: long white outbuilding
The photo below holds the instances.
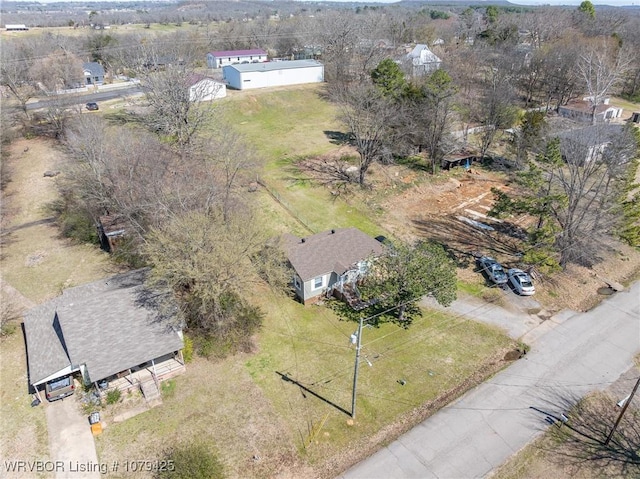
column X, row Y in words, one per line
column 270, row 74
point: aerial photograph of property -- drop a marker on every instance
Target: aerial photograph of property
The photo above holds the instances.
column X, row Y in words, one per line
column 252, row 239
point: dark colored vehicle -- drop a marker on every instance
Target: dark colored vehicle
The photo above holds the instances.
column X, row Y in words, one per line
column 92, row 106
column 59, row 388
column 493, row 269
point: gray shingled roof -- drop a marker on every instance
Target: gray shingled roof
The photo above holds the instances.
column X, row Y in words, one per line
column 271, row 66
column 94, row 68
column 593, row 135
column 329, row 251
column 109, row 325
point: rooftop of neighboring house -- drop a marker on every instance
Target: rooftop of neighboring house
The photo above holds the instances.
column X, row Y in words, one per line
column 94, row 68
column 108, row 325
column 585, row 106
column 238, row 53
column 271, row 66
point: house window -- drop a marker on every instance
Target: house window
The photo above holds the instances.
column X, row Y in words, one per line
column 318, row 282
column 296, row 282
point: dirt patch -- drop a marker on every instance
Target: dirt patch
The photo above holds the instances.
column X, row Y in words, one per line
column 441, row 209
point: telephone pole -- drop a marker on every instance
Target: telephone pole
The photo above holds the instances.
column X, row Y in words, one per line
column 355, row 372
column 624, row 409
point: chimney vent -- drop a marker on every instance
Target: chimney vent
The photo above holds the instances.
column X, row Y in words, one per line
column 333, row 231
column 302, row 240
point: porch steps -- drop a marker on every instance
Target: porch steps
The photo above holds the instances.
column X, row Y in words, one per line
column 150, row 391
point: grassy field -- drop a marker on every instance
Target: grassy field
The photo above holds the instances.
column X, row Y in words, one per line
column 286, row 125
column 245, row 407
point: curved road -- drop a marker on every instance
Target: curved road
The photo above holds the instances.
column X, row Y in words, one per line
column 478, row 432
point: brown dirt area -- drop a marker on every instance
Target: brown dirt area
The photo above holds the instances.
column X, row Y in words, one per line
column 438, row 208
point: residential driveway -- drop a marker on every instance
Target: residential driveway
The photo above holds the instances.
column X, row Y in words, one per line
column 478, row 432
column 522, row 315
column 71, row 441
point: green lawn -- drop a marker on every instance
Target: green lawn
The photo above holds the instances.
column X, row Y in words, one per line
column 285, row 126
column 244, row 408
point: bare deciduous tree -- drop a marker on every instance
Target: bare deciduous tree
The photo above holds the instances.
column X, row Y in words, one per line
column 368, row 115
column 601, row 68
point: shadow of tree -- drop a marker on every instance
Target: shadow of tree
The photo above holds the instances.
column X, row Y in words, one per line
column 580, row 427
column 338, row 137
column 463, row 242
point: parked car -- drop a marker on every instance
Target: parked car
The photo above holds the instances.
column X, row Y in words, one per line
column 521, row 282
column 493, row 269
column 92, row 106
column 59, row 388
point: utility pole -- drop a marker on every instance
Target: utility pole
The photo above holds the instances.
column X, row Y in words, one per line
column 624, row 409
column 355, row 372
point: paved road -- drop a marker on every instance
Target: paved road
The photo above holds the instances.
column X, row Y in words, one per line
column 80, row 98
column 71, row 443
column 477, row 433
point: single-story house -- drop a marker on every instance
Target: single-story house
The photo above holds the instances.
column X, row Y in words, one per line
column 14, row 27
column 203, row 88
column 261, row 75
column 588, row 144
column 109, row 330
column 231, row 57
column 93, row 73
column 422, row 60
column 329, row 260
column 580, row 110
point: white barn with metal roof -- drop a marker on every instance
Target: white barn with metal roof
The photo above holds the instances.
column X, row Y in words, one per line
column 270, row 74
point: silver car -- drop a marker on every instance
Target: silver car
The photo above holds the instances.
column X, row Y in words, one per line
column 521, row 282
column 493, row 269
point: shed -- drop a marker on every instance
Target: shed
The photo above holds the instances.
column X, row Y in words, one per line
column 204, row 88
column 262, row 75
column 218, row 59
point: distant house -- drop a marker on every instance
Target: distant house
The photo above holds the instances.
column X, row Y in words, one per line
column 580, row 110
column 109, row 333
column 232, row 57
column 93, row 73
column 261, row 75
column 16, row 28
column 422, row 60
column 584, row 145
column 329, row 261
column 204, row 88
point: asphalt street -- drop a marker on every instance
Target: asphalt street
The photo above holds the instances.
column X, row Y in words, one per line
column 477, row 433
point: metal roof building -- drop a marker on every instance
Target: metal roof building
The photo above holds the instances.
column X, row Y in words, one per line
column 270, row 74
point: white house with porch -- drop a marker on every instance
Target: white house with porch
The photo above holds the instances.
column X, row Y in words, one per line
column 103, row 332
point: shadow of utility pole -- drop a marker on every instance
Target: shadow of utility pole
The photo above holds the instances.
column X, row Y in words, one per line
column 286, row 378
